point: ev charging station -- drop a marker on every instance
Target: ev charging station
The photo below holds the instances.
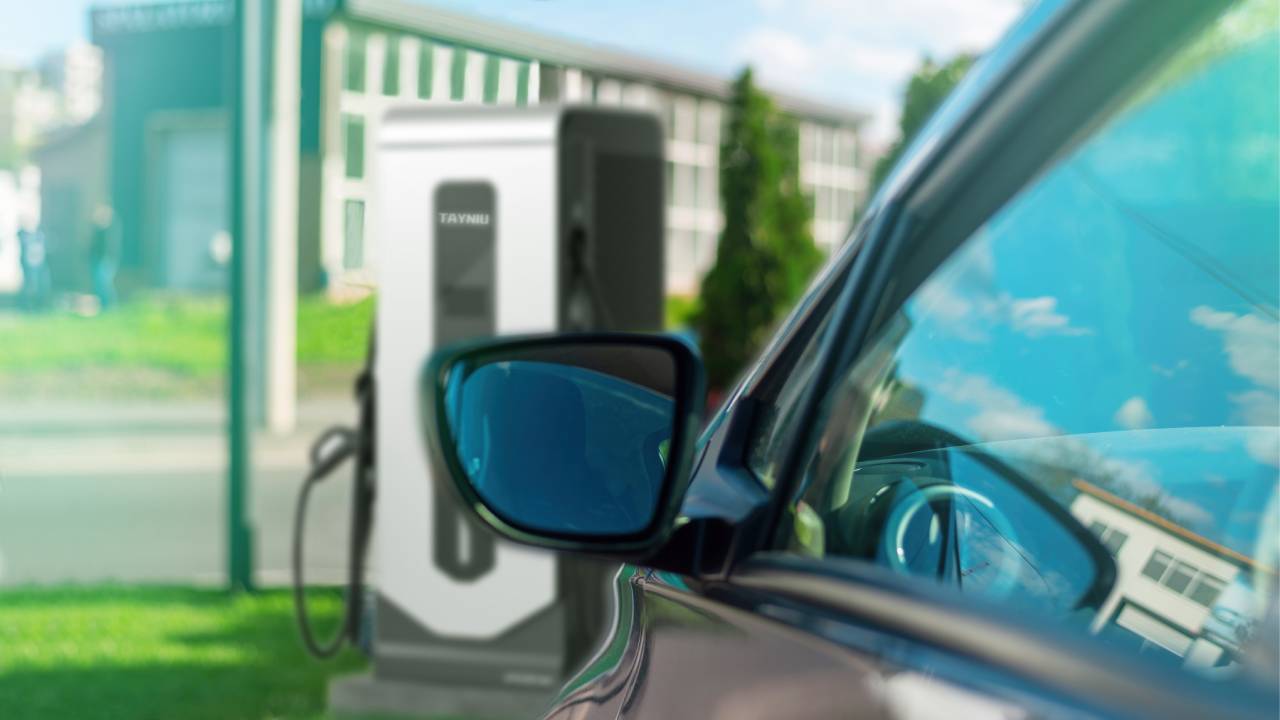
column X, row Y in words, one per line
column 491, row 221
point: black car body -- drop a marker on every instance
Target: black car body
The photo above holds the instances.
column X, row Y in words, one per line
column 773, row 591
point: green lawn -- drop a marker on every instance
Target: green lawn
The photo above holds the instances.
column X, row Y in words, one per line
column 165, row 346
column 160, row 652
column 175, row 346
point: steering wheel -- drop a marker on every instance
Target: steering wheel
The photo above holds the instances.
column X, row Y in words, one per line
column 985, row 535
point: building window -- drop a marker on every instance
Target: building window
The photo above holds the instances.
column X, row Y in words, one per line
column 491, row 64
column 391, row 67
column 705, row 252
column 844, row 205
column 709, row 187
column 824, row 154
column 458, row 74
column 806, row 143
column 1114, row 540
column 1180, row 577
column 709, row 122
column 1206, row 589
column 847, row 144
column 682, row 261
column 353, row 235
column 684, row 182
column 1111, row 538
column 1183, row 578
column 522, row 84
column 821, row 202
column 1157, row 565
column 665, row 109
column 353, row 145
column 684, row 119
column 426, row 53
column 353, row 75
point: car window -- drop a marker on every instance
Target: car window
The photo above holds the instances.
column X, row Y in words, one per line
column 1077, row 413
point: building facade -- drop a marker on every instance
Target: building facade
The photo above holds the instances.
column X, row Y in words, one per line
column 359, row 57
column 75, row 75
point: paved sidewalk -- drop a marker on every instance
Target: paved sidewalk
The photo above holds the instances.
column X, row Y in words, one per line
column 136, row 493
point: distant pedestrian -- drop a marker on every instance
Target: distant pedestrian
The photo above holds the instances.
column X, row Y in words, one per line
column 103, row 256
column 33, row 250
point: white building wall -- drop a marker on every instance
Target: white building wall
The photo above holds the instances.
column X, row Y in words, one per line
column 81, row 82
column 829, row 173
column 345, row 198
column 829, row 160
column 19, row 209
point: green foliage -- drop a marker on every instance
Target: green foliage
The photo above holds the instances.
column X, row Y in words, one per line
column 157, row 652
column 926, row 90
column 681, row 312
column 766, row 252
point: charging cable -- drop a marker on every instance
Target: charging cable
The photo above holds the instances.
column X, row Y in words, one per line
column 335, row 446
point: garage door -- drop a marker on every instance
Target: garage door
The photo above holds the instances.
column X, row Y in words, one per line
column 192, row 222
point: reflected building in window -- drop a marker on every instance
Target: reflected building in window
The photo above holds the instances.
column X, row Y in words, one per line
column 1177, row 594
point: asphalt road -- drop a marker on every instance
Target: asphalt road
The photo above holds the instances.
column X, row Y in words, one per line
column 136, row 493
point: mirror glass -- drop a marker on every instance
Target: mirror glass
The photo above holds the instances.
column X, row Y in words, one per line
column 566, row 439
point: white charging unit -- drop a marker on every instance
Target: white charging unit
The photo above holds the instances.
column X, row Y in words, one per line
column 492, row 221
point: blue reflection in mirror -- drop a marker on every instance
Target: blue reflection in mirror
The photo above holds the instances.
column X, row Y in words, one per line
column 558, row 448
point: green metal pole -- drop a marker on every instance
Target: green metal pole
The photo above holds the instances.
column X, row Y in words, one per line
column 239, row 539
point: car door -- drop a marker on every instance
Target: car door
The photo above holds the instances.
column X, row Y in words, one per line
column 1018, row 466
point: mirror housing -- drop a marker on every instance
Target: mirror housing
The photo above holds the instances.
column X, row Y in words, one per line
column 577, row 442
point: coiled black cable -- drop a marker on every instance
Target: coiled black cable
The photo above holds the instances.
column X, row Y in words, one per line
column 330, row 450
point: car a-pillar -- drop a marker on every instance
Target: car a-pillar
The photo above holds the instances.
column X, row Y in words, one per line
column 492, row 221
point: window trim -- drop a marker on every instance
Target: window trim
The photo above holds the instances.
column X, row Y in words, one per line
column 883, row 603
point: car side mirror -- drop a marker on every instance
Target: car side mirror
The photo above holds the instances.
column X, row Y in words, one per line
column 572, row 442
